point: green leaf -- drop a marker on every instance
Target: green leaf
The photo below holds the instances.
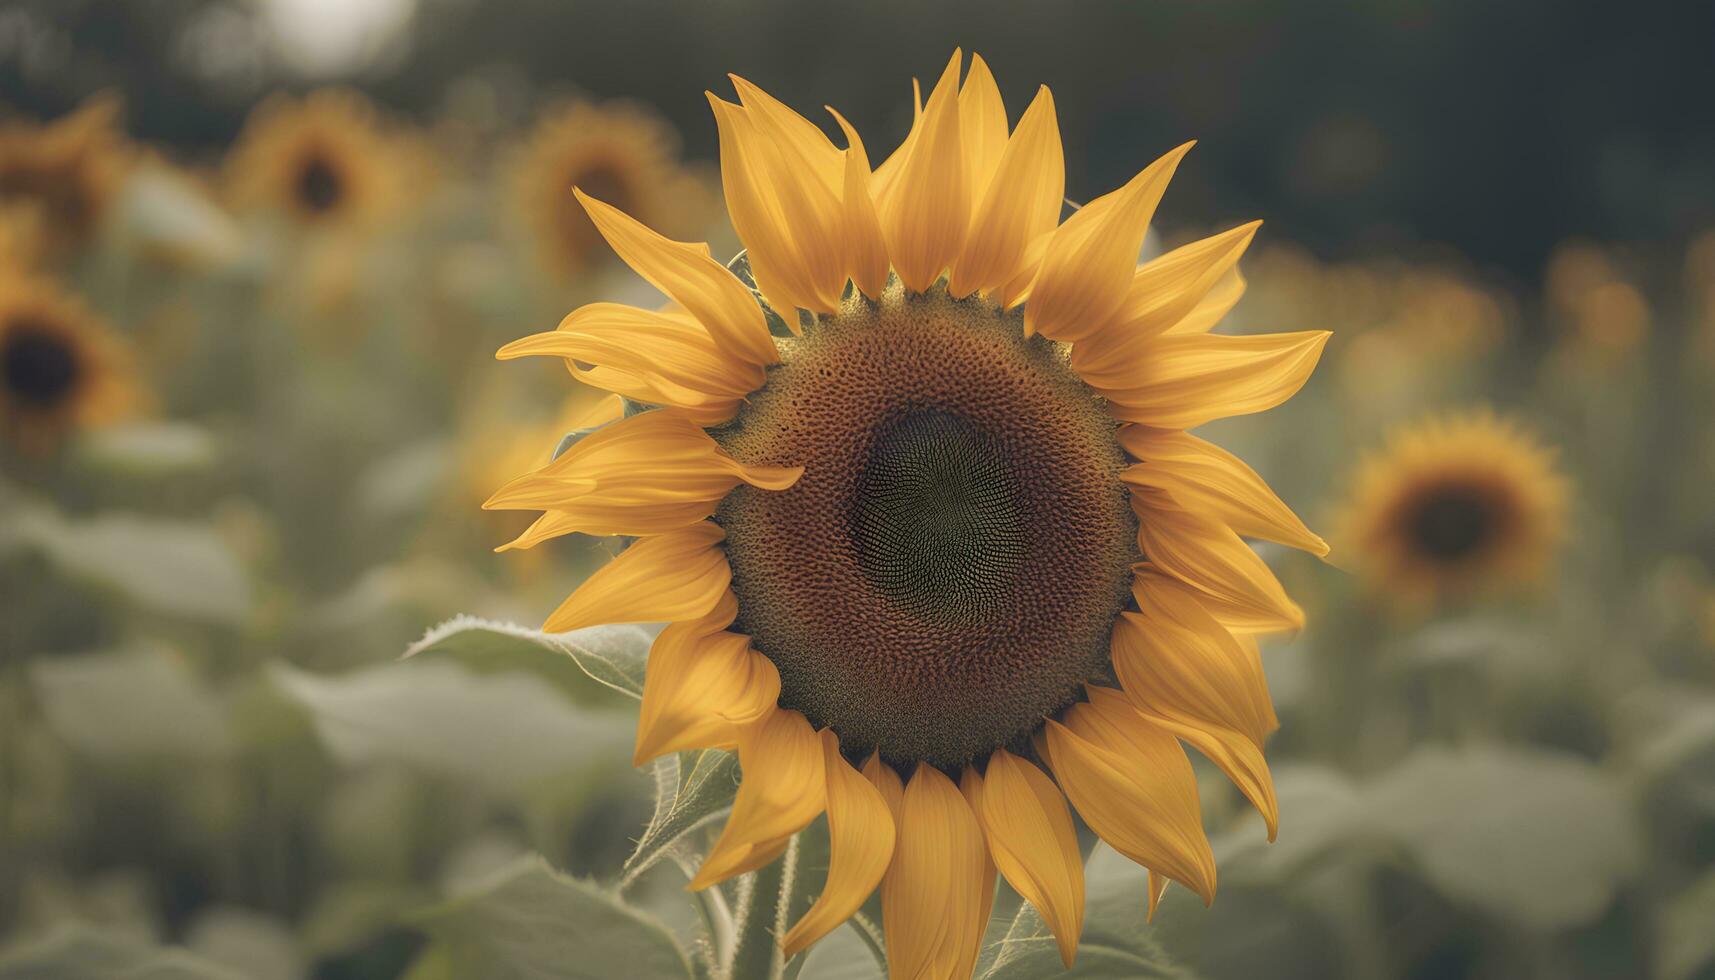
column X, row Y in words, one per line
column 843, row 955
column 1687, row 942
column 691, row 790
column 1320, row 810
column 130, row 705
column 149, row 448
column 1533, row 837
column 504, row 733
column 172, row 567
column 611, row 655
column 1117, row 943
column 529, row 922
column 78, row 953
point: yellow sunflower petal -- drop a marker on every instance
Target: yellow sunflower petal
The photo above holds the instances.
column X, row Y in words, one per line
column 1157, row 888
column 1087, row 271
column 1021, row 206
column 701, row 688
column 1134, row 786
column 1234, row 583
column 789, row 220
column 926, row 207
column 1174, row 658
column 971, row 788
column 784, row 788
column 931, row 897
column 1034, row 844
column 1183, row 381
column 860, row 840
column 610, row 408
column 1237, row 756
column 694, row 280
column 1214, row 306
column 1163, row 292
column 866, row 251
column 1202, row 475
column 982, row 126
column 673, row 576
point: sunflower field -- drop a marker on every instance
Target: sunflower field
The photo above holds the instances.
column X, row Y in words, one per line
column 752, row 490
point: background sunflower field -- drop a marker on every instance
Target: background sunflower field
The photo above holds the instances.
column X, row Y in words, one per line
column 256, row 257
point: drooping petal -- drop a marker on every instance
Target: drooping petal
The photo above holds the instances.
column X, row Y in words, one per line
column 702, row 685
column 789, row 220
column 1034, row 844
column 784, row 788
column 1174, row 658
column 1163, row 292
column 666, row 577
column 925, row 208
column 657, row 358
column 982, row 126
column 694, row 280
column 647, row 474
column 1234, row 583
column 1157, row 887
column 866, row 251
column 1087, row 271
column 971, row 787
column 931, row 897
column 1202, row 475
column 860, row 840
column 1132, row 784
column 1021, row 206
column 1183, row 381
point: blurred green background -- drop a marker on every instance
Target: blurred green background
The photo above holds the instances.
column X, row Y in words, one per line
column 212, row 764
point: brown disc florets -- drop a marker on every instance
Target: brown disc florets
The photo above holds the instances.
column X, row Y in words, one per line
column 948, row 569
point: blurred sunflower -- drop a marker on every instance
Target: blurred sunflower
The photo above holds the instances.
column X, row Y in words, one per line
column 61, row 367
column 324, row 160
column 944, row 556
column 65, row 174
column 1452, row 506
column 619, row 152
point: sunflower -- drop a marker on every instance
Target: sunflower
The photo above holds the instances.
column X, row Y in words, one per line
column 324, row 160
column 66, row 174
column 1453, row 506
column 61, row 367
column 936, row 554
column 619, row 152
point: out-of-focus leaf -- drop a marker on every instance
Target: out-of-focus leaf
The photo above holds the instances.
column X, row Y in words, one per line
column 691, row 788
column 505, row 733
column 149, row 448
column 528, row 922
column 130, row 705
column 401, row 482
column 843, row 955
column 252, row 944
column 1687, row 941
column 167, row 216
column 610, row 655
column 1534, row 837
column 171, row 567
column 77, row 953
column 1117, row 943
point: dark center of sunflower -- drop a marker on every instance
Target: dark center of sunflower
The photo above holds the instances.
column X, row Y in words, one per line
column 320, row 186
column 38, row 366
column 947, row 572
column 1452, row 524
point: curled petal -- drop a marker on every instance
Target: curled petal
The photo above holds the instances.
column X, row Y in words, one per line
column 783, row 790
column 860, row 836
column 702, row 686
column 1087, row 271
